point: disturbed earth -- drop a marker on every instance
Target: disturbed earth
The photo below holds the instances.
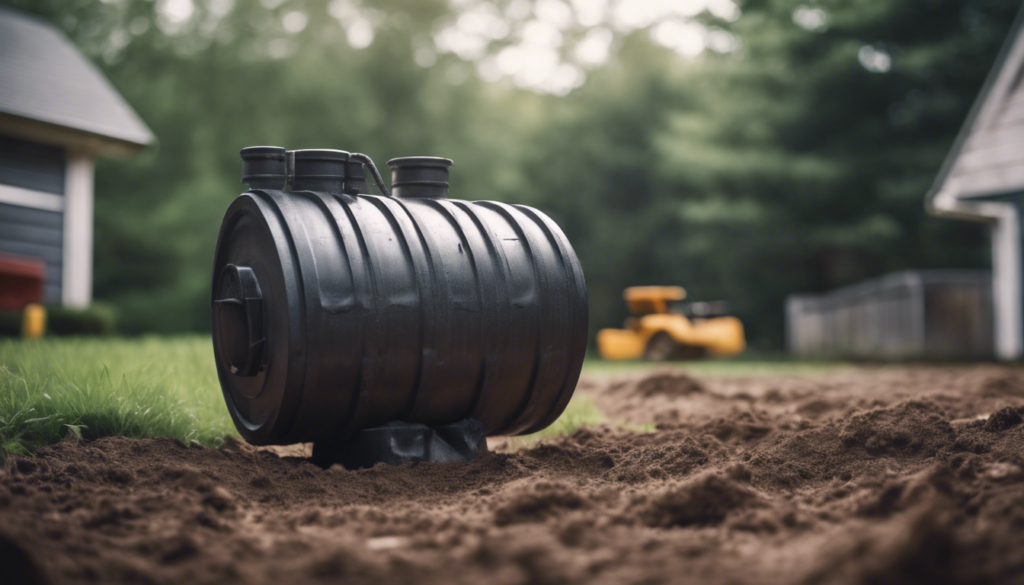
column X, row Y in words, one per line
column 860, row 475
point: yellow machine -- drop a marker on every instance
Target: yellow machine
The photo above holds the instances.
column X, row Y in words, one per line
column 662, row 329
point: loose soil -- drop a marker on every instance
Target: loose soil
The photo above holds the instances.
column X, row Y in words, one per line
column 884, row 475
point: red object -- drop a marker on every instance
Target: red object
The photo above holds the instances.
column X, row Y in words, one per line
column 21, row 282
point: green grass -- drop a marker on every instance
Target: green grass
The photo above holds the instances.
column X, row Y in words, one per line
column 145, row 387
column 167, row 387
column 580, row 412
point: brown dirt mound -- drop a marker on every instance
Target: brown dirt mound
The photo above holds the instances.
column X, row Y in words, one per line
column 668, row 383
column 703, row 501
column 885, row 475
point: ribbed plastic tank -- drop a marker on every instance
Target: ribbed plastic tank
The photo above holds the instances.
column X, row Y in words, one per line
column 335, row 312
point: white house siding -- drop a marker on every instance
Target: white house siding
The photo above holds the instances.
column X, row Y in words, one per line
column 991, row 157
column 983, row 180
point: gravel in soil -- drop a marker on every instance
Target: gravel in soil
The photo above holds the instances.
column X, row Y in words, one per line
column 884, row 475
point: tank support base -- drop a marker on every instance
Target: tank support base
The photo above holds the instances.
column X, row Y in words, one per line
column 400, row 442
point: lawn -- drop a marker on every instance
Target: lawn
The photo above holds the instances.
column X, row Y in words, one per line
column 139, row 387
column 157, row 386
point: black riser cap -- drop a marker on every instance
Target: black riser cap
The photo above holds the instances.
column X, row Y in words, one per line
column 419, row 176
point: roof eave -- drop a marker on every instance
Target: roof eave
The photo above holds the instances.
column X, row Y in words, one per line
column 72, row 138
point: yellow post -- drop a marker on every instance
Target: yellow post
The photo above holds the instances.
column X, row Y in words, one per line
column 34, row 323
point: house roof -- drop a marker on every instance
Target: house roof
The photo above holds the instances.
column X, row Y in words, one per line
column 44, row 78
column 987, row 158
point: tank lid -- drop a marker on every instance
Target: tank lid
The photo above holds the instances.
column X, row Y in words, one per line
column 325, row 154
column 319, row 169
column 421, row 161
column 263, row 167
column 419, row 176
column 268, row 152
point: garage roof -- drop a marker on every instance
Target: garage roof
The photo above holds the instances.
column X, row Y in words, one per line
column 44, row 78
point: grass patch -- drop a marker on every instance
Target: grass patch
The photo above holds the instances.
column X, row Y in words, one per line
column 149, row 387
column 580, row 412
column 167, row 387
column 146, row 387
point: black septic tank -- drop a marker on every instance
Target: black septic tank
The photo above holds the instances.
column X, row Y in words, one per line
column 340, row 316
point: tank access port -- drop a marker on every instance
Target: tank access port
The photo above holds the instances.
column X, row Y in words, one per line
column 322, row 169
column 238, row 320
column 264, row 167
column 420, row 176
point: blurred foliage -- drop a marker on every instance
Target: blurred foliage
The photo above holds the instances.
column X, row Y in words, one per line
column 795, row 157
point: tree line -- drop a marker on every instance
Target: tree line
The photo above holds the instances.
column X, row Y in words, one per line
column 749, row 151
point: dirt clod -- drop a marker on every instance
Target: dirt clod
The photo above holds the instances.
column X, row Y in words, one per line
column 1004, row 419
column 702, row 501
column 536, row 502
column 668, row 383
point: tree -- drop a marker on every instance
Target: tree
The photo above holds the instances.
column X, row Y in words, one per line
column 798, row 162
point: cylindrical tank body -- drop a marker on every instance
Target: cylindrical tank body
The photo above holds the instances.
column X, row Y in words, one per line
column 335, row 312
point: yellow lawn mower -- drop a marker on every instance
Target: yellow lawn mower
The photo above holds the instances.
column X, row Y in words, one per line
column 663, row 328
